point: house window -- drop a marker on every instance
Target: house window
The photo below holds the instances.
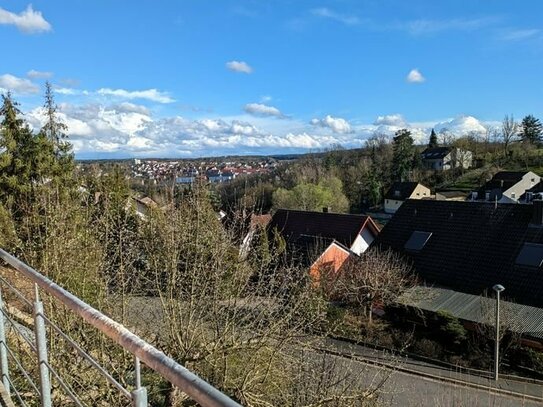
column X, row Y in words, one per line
column 387, row 200
column 397, row 193
column 513, row 195
column 487, row 196
column 418, row 193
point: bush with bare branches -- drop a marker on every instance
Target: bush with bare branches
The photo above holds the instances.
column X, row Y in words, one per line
column 374, row 279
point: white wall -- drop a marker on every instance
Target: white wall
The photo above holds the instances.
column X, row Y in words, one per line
column 362, row 241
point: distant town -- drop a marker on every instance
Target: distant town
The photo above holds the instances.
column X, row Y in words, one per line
column 189, row 172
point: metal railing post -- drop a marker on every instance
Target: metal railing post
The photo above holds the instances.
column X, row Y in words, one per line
column 4, row 369
column 41, row 347
column 139, row 395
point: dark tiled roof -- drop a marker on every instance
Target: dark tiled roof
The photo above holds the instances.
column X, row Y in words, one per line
column 435, row 153
column 405, row 190
column 512, row 176
column 294, row 225
column 473, row 246
column 503, row 180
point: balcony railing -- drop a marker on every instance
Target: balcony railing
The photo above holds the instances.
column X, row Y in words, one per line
column 39, row 380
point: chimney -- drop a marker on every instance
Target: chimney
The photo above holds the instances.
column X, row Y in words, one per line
column 326, row 209
column 537, row 214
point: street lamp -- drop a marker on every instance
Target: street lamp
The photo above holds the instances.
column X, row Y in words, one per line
column 498, row 288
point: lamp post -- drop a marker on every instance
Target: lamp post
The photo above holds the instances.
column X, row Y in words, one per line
column 498, row 288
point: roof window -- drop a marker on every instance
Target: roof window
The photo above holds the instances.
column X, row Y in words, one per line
column 417, row 241
column 530, row 255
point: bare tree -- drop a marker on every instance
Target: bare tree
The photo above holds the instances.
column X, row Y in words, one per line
column 376, row 278
column 509, row 131
column 509, row 336
column 447, row 137
column 242, row 325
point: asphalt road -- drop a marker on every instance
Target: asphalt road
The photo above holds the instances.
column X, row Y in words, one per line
column 398, row 388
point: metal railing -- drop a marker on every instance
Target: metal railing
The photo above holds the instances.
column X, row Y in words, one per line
column 36, row 341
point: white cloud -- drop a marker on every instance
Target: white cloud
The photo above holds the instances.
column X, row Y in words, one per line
column 423, row 26
column 337, row 124
column 519, row 35
column 332, row 15
column 68, row 91
column 149, row 94
column 127, row 107
column 28, row 21
column 128, row 129
column 460, row 126
column 17, row 85
column 391, row 120
column 260, row 109
column 33, row 74
column 239, row 66
column 415, row 76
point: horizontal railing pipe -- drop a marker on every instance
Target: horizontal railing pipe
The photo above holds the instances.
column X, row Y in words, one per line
column 195, row 387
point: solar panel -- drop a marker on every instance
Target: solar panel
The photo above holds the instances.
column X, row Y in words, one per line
column 530, row 255
column 417, row 241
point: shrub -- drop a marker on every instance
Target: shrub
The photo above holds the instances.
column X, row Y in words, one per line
column 428, row 348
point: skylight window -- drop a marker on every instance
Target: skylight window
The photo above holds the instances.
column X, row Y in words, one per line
column 417, row 241
column 530, row 255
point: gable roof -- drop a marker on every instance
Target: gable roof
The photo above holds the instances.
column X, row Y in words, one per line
column 303, row 225
column 405, row 190
column 503, row 180
column 435, row 153
column 472, row 247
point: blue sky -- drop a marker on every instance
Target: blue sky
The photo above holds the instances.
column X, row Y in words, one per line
column 193, row 78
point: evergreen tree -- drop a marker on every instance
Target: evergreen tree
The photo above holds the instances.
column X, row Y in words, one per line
column 16, row 144
column 53, row 139
column 433, row 140
column 403, row 151
column 532, row 129
column 374, row 188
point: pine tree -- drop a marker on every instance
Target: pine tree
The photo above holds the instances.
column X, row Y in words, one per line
column 532, row 129
column 403, row 151
column 433, row 140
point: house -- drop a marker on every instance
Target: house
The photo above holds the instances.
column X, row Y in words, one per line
column 469, row 247
column 315, row 239
column 355, row 232
column 507, row 187
column 401, row 191
column 446, row 158
column 330, row 263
